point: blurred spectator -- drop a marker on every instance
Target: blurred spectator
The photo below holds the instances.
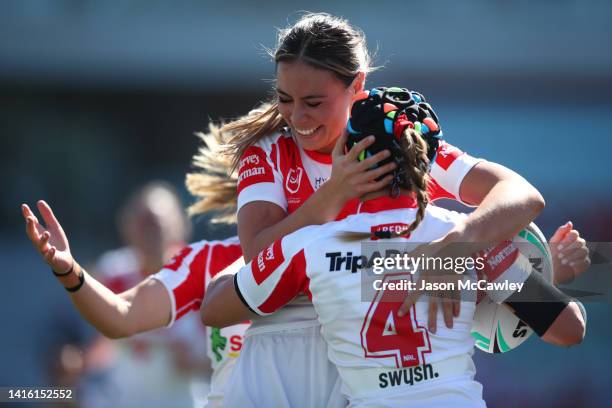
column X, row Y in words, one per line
column 161, row 367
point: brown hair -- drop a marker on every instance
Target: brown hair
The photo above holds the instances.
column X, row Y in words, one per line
column 414, row 148
column 214, row 182
column 319, row 39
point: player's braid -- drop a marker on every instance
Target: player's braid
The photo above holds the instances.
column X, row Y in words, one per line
column 415, row 149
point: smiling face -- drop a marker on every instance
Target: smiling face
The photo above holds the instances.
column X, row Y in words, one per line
column 315, row 103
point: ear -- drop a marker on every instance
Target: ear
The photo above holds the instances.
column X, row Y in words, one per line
column 358, row 83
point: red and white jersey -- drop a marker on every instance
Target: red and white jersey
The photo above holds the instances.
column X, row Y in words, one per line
column 381, row 357
column 188, row 273
column 186, row 277
column 278, row 170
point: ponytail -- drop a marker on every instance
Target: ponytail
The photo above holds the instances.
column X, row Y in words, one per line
column 248, row 130
column 215, row 181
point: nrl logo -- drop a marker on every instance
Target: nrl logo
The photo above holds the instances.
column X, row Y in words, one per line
column 294, row 178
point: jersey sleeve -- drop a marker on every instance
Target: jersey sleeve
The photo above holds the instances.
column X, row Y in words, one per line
column 448, row 171
column 259, row 178
column 188, row 273
column 275, row 277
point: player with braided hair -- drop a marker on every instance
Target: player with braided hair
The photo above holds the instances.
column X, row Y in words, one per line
column 414, row 142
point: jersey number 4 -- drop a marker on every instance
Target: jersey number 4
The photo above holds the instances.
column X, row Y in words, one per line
column 384, row 334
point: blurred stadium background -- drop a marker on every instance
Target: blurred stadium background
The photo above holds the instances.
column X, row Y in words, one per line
column 99, row 97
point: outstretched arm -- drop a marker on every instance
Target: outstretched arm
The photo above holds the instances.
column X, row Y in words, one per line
column 144, row 307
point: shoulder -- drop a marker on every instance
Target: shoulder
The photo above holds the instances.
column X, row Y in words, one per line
column 226, row 243
column 263, row 163
column 313, row 238
column 447, row 154
column 264, row 152
column 209, row 253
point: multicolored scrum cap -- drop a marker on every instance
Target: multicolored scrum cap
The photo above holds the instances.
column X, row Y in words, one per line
column 386, row 113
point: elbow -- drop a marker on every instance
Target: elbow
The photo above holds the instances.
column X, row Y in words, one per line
column 116, row 334
column 568, row 329
column 536, row 202
column 211, row 319
column 207, row 314
column 532, row 200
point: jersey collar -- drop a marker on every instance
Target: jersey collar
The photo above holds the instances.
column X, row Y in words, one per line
column 319, row 157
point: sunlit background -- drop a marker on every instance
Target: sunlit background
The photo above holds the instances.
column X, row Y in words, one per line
column 98, row 97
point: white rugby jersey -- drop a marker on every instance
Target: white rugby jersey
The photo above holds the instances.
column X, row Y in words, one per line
column 278, row 170
column 382, row 358
column 186, row 277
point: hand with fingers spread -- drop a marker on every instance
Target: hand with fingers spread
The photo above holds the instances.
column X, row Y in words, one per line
column 50, row 240
column 569, row 252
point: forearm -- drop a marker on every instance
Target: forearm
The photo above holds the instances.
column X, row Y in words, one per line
column 141, row 308
column 568, row 329
column 555, row 317
column 323, row 206
column 102, row 308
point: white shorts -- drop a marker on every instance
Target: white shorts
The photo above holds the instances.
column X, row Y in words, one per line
column 287, row 368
